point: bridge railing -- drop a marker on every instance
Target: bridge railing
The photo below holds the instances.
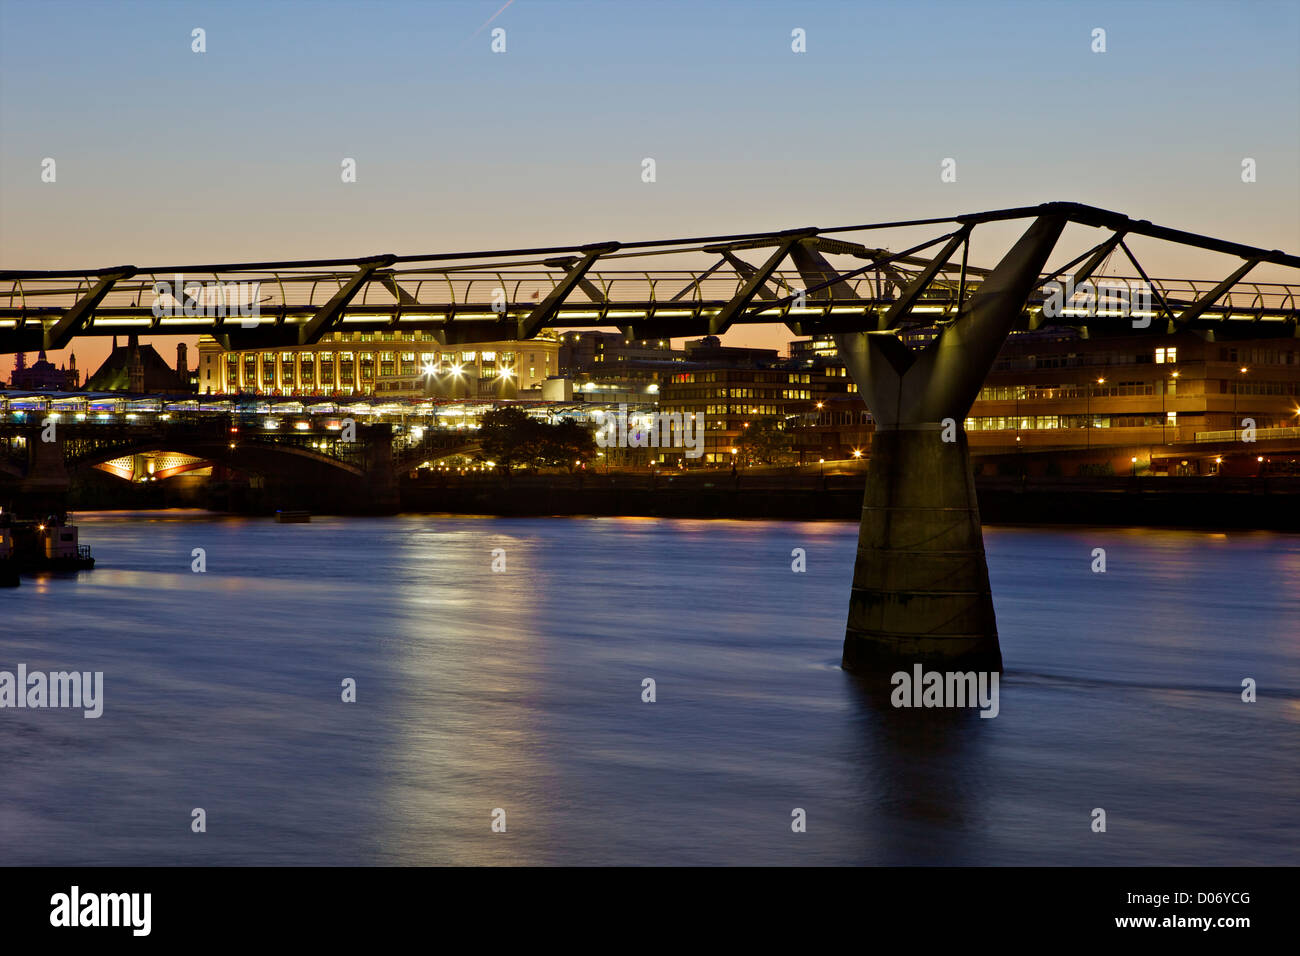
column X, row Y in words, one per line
column 1234, row 434
column 131, row 302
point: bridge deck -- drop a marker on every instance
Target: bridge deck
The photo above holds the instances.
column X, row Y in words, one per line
column 512, row 294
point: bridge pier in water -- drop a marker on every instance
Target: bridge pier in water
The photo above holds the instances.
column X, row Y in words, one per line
column 43, row 488
column 920, row 582
column 920, row 590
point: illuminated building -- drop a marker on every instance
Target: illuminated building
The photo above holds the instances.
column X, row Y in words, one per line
column 386, row 365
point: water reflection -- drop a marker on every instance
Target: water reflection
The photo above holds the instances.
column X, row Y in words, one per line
column 522, row 690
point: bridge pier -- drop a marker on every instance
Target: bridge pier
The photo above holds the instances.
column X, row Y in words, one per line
column 381, row 484
column 920, row 582
column 920, row 589
column 43, row 488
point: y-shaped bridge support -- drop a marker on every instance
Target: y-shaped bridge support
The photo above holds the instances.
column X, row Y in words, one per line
column 920, row 582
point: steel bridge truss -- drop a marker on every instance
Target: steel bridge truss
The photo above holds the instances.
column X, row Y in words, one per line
column 513, row 294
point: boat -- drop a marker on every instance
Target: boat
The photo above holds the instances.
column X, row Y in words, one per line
column 292, row 517
column 49, row 545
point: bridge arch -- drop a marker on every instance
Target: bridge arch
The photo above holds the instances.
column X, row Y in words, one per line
column 258, row 457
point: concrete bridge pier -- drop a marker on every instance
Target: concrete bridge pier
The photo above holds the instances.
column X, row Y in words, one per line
column 920, row 582
column 382, row 491
column 43, row 489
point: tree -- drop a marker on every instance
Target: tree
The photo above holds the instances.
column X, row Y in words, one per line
column 764, row 441
column 569, row 444
column 510, row 436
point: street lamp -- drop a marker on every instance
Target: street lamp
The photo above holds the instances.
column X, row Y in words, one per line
column 1164, row 409
column 1236, row 387
column 429, row 372
column 1088, row 410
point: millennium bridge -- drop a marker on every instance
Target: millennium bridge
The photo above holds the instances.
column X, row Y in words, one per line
column 918, row 329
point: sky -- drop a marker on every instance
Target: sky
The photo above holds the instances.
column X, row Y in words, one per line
column 165, row 155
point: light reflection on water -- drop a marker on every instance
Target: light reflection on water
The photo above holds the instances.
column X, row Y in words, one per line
column 522, row 690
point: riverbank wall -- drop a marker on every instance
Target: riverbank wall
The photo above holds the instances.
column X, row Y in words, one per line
column 1250, row 503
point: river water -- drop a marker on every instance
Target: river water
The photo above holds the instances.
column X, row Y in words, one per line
column 522, row 690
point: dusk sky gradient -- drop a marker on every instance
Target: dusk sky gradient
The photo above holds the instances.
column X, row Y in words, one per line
column 165, row 156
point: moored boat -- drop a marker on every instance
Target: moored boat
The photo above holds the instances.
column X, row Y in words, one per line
column 49, row 545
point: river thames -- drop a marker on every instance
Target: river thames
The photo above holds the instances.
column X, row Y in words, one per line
column 521, row 690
